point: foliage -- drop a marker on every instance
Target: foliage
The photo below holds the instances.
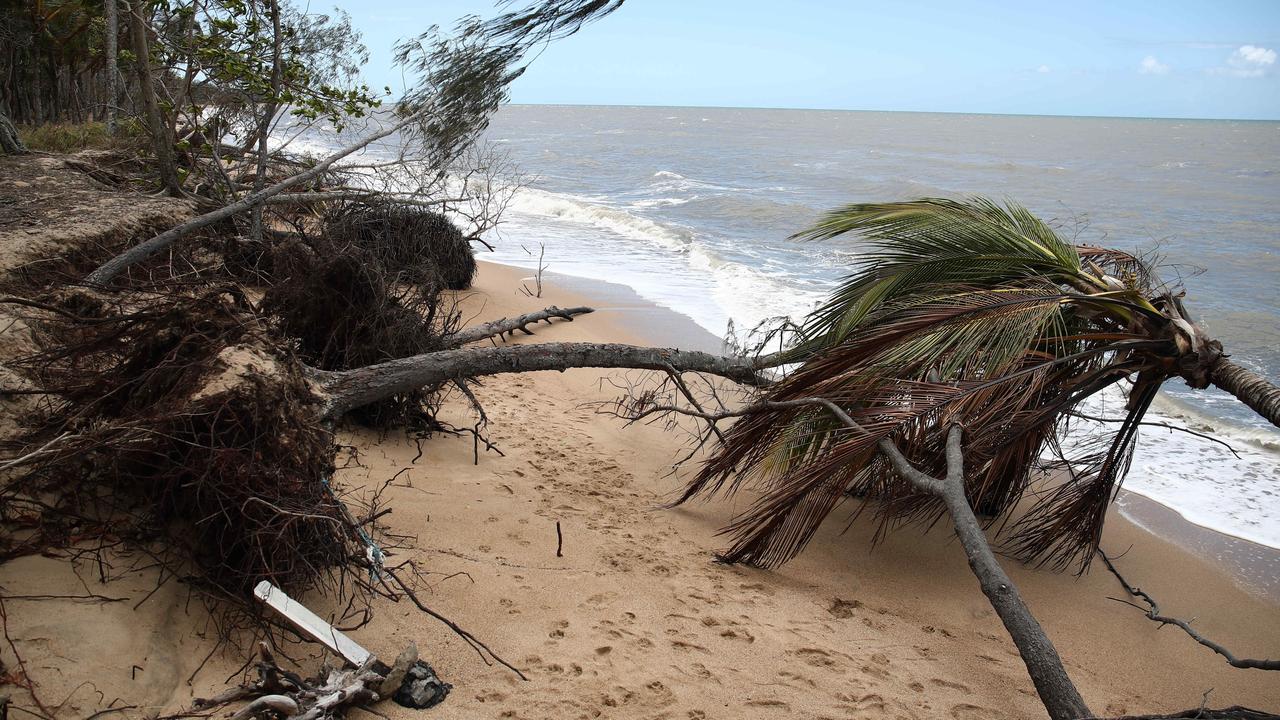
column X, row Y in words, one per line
column 463, row 78
column 74, row 137
column 52, row 51
column 225, row 52
column 966, row 313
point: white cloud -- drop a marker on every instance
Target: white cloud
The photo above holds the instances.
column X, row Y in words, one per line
column 1151, row 66
column 1250, row 61
column 1044, row 69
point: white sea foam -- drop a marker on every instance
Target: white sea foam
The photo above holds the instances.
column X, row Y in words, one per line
column 582, row 210
column 1203, row 481
column 1197, row 478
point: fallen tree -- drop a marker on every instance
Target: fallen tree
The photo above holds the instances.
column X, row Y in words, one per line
column 345, row 391
column 462, row 80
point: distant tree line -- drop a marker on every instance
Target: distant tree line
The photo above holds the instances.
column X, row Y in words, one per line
column 54, row 61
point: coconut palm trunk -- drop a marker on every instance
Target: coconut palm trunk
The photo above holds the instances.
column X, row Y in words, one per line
column 1248, row 387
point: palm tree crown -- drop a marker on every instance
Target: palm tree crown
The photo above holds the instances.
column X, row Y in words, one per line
column 966, row 312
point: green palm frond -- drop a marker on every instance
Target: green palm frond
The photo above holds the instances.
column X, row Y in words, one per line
column 912, row 247
column 965, row 312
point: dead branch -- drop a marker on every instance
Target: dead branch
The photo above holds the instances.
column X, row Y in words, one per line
column 481, row 649
column 351, row 389
column 300, row 198
column 1153, row 612
column 1167, row 426
column 508, row 326
column 1234, row 712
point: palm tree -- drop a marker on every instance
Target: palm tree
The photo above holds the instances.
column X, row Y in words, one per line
column 975, row 314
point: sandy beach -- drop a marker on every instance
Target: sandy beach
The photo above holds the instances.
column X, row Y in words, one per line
column 635, row 620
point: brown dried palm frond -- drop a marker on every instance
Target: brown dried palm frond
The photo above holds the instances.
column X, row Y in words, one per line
column 964, row 313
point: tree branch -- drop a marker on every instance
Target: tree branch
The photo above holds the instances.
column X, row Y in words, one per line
column 351, row 389
column 300, row 198
column 1153, row 612
column 136, row 254
column 504, row 326
column 1249, row 388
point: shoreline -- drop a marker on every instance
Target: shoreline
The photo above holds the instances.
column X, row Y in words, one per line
column 635, row 620
column 1252, row 566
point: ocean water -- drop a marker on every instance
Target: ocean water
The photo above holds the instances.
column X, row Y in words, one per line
column 692, row 207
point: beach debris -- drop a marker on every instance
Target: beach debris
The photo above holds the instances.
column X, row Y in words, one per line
column 411, row 682
column 310, row 624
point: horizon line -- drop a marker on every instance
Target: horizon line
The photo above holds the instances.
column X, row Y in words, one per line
column 912, row 112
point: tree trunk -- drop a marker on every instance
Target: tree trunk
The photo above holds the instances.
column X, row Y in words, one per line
column 1053, row 685
column 112, row 18
column 10, row 143
column 268, row 114
column 161, row 144
column 1249, row 388
column 136, row 254
column 350, row 389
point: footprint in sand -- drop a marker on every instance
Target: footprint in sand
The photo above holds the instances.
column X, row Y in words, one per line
column 843, row 609
column 965, row 711
column 948, row 684
column 688, row 646
column 814, row 657
column 858, row 706
column 769, row 704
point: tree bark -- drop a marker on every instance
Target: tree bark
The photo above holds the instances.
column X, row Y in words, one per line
column 350, row 389
column 505, row 326
column 161, row 144
column 10, row 143
column 111, row 16
column 1054, row 686
column 136, row 254
column 268, row 114
column 1249, row 388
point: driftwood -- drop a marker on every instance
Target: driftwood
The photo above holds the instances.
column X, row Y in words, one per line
column 329, row 695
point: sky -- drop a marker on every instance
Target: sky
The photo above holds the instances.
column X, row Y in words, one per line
column 1176, row 58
